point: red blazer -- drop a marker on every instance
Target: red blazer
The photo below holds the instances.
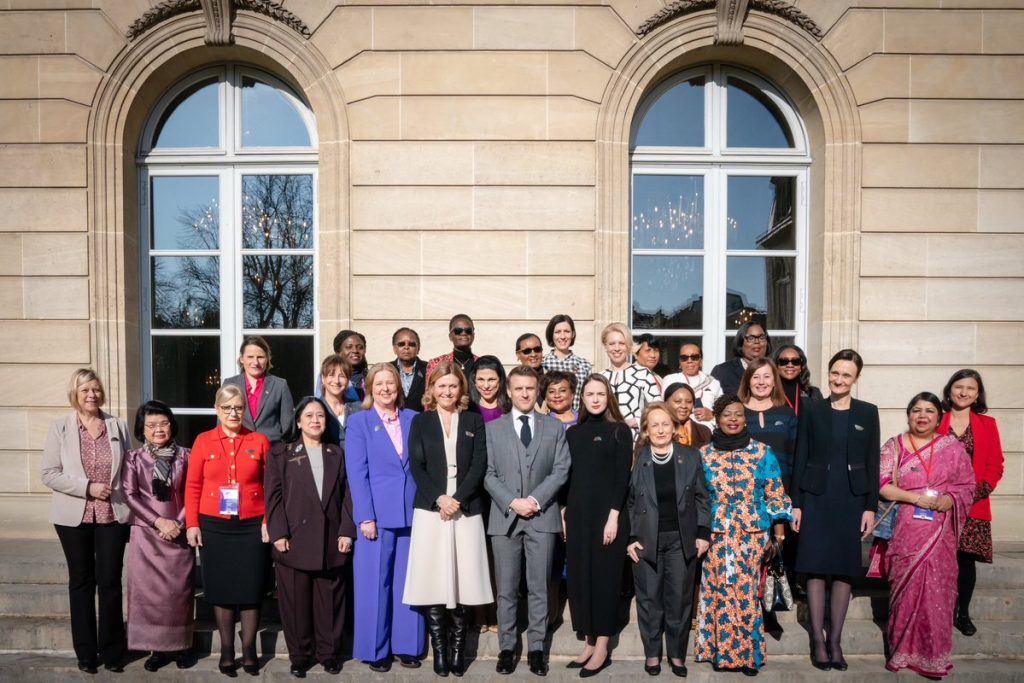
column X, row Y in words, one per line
column 988, row 457
column 209, row 465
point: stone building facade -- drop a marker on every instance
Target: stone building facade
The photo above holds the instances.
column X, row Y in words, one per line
column 487, row 158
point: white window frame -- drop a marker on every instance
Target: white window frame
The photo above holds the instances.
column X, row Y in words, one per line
column 229, row 163
column 716, row 163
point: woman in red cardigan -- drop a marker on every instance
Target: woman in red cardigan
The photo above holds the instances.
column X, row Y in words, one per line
column 224, row 515
column 964, row 400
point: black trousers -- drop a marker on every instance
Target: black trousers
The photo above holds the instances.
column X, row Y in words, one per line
column 95, row 556
column 664, row 598
column 312, row 606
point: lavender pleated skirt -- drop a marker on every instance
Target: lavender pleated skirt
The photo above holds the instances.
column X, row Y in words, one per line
column 161, row 593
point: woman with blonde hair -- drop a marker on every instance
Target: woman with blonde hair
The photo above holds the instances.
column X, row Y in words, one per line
column 448, row 459
column 634, row 385
column 82, row 461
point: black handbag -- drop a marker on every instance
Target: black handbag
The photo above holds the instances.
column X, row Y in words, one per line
column 775, row 593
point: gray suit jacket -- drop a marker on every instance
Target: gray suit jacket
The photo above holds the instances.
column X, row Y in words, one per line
column 514, row 471
column 275, row 418
column 63, row 471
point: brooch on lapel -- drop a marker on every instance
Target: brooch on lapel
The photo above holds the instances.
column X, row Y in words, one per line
column 470, row 434
column 377, row 428
column 598, row 438
column 858, row 427
column 779, row 423
column 297, row 459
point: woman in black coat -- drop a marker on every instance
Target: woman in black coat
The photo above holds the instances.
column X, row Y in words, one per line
column 835, row 495
column 752, row 341
column 309, row 519
column 670, row 524
column 601, row 446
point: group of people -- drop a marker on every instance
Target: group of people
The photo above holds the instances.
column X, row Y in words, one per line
column 433, row 487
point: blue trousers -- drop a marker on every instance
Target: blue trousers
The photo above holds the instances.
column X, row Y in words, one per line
column 383, row 624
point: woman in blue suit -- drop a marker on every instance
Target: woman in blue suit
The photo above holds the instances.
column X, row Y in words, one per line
column 376, row 458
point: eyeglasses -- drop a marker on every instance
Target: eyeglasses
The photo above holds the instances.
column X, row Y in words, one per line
column 462, row 330
column 693, row 356
column 530, row 350
column 789, row 361
column 756, row 337
column 232, row 410
column 157, row 425
column 406, row 344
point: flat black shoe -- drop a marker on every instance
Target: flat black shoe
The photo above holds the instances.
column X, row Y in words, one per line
column 155, row 661
column 409, row 662
column 87, row 667
column 251, row 669
column 965, row 626
column 575, row 665
column 381, row 665
column 185, row 660
column 538, row 667
column 332, row 666
column 115, row 668
column 821, row 665
column 749, row 671
column 678, row 670
column 506, row 662
column 587, row 673
column 297, row 670
column 839, row 664
column 652, row 669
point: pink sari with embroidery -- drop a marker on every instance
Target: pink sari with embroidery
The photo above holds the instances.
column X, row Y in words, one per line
column 922, row 555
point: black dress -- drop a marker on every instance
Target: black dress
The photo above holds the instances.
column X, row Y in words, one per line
column 602, row 453
column 830, row 526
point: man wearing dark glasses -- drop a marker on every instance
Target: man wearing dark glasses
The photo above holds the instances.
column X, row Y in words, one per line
column 411, row 369
column 461, row 332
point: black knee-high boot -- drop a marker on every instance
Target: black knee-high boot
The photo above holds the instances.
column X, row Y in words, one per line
column 437, row 627
column 460, row 625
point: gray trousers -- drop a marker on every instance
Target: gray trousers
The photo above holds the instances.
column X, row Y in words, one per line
column 538, row 548
column 664, row 598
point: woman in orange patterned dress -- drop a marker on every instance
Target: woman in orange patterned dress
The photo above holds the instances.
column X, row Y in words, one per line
column 747, row 500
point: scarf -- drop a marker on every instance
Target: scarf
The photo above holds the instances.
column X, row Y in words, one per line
column 724, row 442
column 163, row 465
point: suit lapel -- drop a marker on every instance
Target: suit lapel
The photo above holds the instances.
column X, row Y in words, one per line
column 117, row 448
column 268, row 384
column 298, row 462
column 332, row 467
column 405, row 419
column 73, row 444
column 682, row 473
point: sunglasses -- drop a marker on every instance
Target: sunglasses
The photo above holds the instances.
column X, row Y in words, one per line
column 693, row 356
column 789, row 361
column 529, row 350
column 462, row 330
column 406, row 344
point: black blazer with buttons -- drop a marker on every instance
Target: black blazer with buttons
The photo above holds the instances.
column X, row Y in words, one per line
column 414, row 399
column 691, row 497
column 813, row 460
column 429, row 467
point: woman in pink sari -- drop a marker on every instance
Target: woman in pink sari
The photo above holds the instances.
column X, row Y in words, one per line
column 936, row 488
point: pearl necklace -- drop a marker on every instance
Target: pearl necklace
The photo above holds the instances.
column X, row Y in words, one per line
column 660, row 459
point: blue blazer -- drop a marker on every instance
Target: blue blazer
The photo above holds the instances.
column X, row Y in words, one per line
column 382, row 486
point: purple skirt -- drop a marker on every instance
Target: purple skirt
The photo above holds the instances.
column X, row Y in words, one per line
column 161, row 594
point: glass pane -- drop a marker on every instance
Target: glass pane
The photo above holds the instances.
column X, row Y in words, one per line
column 277, row 292
column 277, row 212
column 670, row 350
column 776, row 343
column 676, row 119
column 753, row 119
column 293, row 360
column 186, row 212
column 191, row 426
column 761, row 212
column 760, row 286
column 192, row 119
column 668, row 212
column 186, row 292
column 668, row 292
column 186, row 370
column 269, row 119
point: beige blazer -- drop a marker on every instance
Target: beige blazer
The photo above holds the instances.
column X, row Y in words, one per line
column 63, row 471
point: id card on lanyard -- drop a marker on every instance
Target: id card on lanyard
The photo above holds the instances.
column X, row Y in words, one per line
column 229, row 499
column 920, row 512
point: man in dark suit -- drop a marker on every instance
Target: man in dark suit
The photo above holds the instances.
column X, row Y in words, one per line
column 412, row 371
column 527, row 464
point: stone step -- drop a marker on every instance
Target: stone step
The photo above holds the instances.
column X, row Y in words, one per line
column 860, row 637
column 780, row 669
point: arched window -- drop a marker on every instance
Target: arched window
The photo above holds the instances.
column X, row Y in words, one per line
column 228, row 182
column 719, row 164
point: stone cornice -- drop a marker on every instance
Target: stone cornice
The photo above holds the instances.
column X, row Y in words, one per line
column 731, row 14
column 219, row 16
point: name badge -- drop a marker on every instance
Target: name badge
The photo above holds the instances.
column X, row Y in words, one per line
column 229, row 499
column 922, row 513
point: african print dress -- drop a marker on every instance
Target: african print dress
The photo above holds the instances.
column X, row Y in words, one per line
column 746, row 498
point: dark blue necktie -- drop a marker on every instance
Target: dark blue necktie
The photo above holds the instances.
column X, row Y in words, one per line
column 525, row 433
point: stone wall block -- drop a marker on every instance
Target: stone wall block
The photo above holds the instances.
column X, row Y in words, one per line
column 21, row 78
column 91, row 36
column 859, row 33
column 1000, row 343
column 12, row 298
column 570, row 118
column 42, row 165
column 887, row 254
column 346, row 32
column 1002, row 166
column 30, row 33
column 924, row 166
column 40, row 385
column 23, row 341
column 1002, row 31
column 1001, row 211
column 385, row 252
column 474, row 73
column 563, row 253
column 523, row 28
column 412, row 163
column 386, row 298
column 494, row 297
column 991, row 121
column 893, row 299
column 885, row 121
column 10, row 253
column 601, row 33
column 578, row 74
column 42, row 209
column 534, row 163
column 976, row 299
column 549, row 295
column 412, row 208
column 879, row 77
column 967, row 77
column 14, row 472
column 379, row 118
column 56, row 298
column 19, row 121
column 493, row 253
column 928, row 31
column 915, row 210
column 533, row 208
column 916, row 343
column 988, row 255
column 68, row 77
column 423, row 28
column 474, row 118
column 369, row 74
column 62, row 121
column 55, row 254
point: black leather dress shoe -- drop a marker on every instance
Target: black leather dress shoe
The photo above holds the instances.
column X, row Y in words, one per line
column 332, row 666
column 506, row 662
column 652, row 669
column 679, row 670
column 86, row 667
column 538, row 667
column 185, row 660
column 409, row 662
column 297, row 670
column 155, row 661
column 381, row 665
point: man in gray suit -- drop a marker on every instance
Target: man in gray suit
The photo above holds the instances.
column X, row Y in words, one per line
column 527, row 464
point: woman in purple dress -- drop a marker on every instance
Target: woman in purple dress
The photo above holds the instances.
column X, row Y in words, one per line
column 160, row 561
column 488, row 394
